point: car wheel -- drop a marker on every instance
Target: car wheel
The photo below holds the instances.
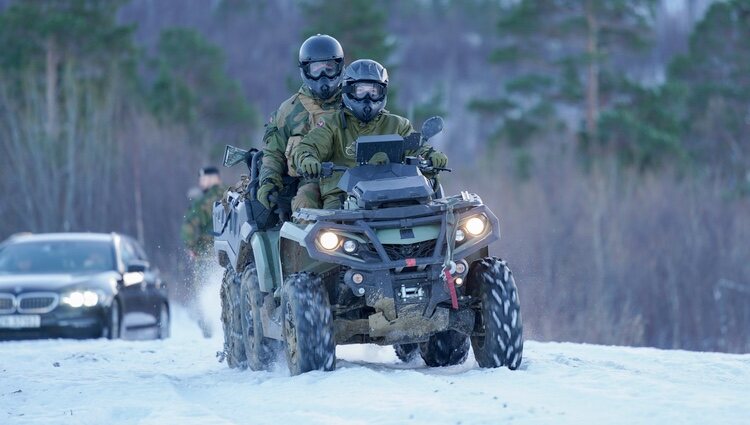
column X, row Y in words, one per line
column 164, row 322
column 114, row 321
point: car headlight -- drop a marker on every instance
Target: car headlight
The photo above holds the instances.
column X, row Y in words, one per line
column 475, row 226
column 77, row 299
column 328, row 240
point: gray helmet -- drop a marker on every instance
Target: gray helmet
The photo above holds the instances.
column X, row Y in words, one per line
column 321, row 60
column 365, row 89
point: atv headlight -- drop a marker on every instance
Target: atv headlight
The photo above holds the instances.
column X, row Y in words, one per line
column 350, row 246
column 328, row 240
column 475, row 226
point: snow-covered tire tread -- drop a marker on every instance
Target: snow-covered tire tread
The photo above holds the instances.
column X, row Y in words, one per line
column 446, row 348
column 499, row 341
column 307, row 323
column 234, row 348
column 260, row 351
column 406, row 352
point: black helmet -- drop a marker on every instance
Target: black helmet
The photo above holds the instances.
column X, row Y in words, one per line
column 321, row 60
column 365, row 88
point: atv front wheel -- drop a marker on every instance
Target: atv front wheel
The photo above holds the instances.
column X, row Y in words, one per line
column 259, row 349
column 498, row 330
column 234, row 348
column 307, row 325
column 445, row 348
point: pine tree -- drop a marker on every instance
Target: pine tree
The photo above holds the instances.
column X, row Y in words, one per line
column 716, row 73
column 65, row 69
column 51, row 36
column 192, row 88
column 561, row 63
column 359, row 25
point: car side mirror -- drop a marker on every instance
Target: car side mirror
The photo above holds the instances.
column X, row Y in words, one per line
column 137, row 266
column 432, row 127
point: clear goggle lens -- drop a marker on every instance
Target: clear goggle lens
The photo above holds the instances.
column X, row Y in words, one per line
column 362, row 90
column 329, row 68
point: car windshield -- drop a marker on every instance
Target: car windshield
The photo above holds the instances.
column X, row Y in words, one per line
column 56, row 257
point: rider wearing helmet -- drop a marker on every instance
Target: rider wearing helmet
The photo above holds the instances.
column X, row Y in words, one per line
column 365, row 93
column 321, row 62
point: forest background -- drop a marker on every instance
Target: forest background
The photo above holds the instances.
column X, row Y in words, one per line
column 612, row 138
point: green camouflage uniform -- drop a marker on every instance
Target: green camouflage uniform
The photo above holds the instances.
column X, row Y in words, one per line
column 197, row 227
column 334, row 142
column 284, row 131
column 197, row 234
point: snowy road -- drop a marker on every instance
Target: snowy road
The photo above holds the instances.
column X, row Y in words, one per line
column 179, row 381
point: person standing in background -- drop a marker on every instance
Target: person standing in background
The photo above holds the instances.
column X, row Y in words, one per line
column 197, row 235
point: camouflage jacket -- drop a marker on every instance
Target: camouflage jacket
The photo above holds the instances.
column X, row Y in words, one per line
column 286, row 128
column 197, row 226
column 334, row 141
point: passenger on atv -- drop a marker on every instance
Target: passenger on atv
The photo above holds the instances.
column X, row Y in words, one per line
column 365, row 93
column 321, row 61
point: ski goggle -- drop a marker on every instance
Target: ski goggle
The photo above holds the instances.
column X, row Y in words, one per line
column 364, row 89
column 329, row 68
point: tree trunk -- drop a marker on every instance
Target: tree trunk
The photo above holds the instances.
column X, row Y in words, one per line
column 72, row 96
column 592, row 78
column 137, row 195
column 52, row 61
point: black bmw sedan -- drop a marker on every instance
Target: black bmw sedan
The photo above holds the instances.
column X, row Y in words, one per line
column 82, row 285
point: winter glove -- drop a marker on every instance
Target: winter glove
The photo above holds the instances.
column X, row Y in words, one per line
column 379, row 158
column 439, row 160
column 264, row 191
column 310, row 167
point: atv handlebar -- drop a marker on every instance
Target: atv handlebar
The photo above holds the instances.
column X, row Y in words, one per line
column 328, row 168
column 425, row 165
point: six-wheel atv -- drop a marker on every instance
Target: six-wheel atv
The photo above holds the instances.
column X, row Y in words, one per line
column 399, row 264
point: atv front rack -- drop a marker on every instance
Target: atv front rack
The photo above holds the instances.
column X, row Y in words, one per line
column 364, row 224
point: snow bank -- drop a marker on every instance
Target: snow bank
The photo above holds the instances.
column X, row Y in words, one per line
column 179, row 381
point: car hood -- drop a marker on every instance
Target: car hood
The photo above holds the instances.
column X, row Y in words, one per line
column 17, row 283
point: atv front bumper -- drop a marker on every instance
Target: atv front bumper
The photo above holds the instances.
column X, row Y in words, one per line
column 410, row 306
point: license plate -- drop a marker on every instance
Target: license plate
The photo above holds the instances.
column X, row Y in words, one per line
column 20, row 321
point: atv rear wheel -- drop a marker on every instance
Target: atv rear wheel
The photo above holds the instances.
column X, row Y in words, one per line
column 406, row 352
column 259, row 349
column 498, row 330
column 234, row 348
column 445, row 348
column 307, row 325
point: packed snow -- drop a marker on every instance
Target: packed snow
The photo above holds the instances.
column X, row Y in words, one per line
column 180, row 381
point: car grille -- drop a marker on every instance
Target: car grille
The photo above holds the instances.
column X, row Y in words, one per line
column 37, row 302
column 32, row 302
column 415, row 250
column 6, row 303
